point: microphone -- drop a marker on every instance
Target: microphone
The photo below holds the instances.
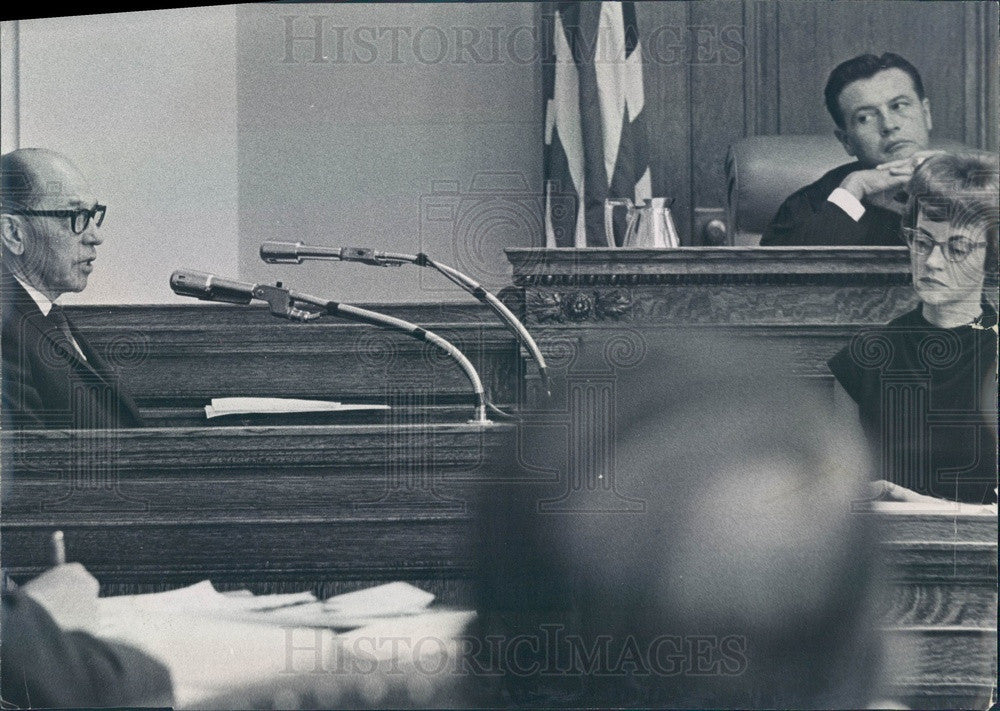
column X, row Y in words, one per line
column 297, row 306
column 296, row 253
column 280, row 252
column 209, row 287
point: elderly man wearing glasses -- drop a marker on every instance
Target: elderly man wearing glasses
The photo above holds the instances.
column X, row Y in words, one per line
column 49, row 224
column 926, row 383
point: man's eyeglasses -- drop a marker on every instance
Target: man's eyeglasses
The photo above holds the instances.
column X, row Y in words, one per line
column 956, row 249
column 79, row 218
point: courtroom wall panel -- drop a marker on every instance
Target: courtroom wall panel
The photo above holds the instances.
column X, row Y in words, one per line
column 940, row 38
column 145, row 104
column 408, row 132
column 718, row 71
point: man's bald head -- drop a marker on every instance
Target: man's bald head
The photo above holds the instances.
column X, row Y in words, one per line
column 47, row 225
column 31, row 177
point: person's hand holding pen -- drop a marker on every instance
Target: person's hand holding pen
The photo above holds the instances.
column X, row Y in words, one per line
column 67, row 591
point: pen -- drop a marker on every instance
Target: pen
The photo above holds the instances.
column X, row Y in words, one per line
column 58, row 548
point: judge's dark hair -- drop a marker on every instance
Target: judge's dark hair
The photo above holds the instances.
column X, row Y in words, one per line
column 864, row 66
column 964, row 189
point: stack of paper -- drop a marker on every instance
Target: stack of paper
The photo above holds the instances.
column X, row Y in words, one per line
column 201, row 599
column 222, row 643
column 389, row 600
column 277, row 406
column 347, row 611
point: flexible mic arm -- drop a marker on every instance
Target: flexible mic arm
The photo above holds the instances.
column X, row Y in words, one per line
column 296, row 253
column 297, row 306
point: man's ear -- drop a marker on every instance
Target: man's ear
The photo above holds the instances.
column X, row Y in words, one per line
column 12, row 233
column 845, row 141
column 926, row 105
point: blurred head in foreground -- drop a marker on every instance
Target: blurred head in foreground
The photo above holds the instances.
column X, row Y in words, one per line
column 713, row 561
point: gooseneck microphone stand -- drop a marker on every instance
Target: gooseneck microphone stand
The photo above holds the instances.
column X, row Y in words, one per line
column 296, row 306
column 296, row 253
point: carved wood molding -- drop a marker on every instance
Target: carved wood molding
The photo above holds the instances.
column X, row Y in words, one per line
column 129, row 341
column 760, row 23
column 980, row 65
column 718, row 304
column 187, row 313
column 243, row 448
column 752, row 265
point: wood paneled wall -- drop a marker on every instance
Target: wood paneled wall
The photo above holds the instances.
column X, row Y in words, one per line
column 716, row 71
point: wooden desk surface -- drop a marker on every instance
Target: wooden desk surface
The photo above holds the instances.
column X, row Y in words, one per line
column 333, row 508
column 277, row 508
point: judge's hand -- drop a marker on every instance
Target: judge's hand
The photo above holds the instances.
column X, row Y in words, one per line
column 907, row 166
column 69, row 594
column 884, row 185
column 877, row 187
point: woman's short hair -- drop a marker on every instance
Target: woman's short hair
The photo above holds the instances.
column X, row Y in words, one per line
column 962, row 188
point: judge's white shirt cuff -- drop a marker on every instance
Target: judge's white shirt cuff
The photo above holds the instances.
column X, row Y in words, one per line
column 848, row 203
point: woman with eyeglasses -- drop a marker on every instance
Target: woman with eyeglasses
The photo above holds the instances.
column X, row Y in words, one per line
column 926, row 383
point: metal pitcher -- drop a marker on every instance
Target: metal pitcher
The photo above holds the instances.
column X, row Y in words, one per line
column 647, row 226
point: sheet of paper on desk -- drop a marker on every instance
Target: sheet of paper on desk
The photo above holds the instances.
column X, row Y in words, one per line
column 201, row 598
column 342, row 612
column 408, row 638
column 936, row 506
column 397, row 598
column 277, row 405
column 216, row 642
column 208, row 655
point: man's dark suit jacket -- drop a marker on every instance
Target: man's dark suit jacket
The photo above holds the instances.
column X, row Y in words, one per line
column 46, row 384
column 44, row 666
column 808, row 219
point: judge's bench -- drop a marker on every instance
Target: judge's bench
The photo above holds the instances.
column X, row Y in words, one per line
column 340, row 501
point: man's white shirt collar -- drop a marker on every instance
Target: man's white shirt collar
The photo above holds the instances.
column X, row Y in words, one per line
column 44, row 302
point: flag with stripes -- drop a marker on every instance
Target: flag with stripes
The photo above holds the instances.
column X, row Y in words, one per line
column 595, row 136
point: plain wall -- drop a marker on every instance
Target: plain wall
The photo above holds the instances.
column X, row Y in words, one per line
column 418, row 127
column 145, row 104
column 386, row 140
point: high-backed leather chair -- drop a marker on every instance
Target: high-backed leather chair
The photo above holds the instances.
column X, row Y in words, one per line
column 761, row 171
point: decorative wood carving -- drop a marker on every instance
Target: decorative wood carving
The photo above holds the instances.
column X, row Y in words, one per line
column 725, row 286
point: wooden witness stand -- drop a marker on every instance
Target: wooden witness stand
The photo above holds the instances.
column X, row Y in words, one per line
column 354, row 502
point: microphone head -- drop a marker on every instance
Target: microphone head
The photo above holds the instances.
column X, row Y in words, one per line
column 209, row 287
column 281, row 252
column 189, row 283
